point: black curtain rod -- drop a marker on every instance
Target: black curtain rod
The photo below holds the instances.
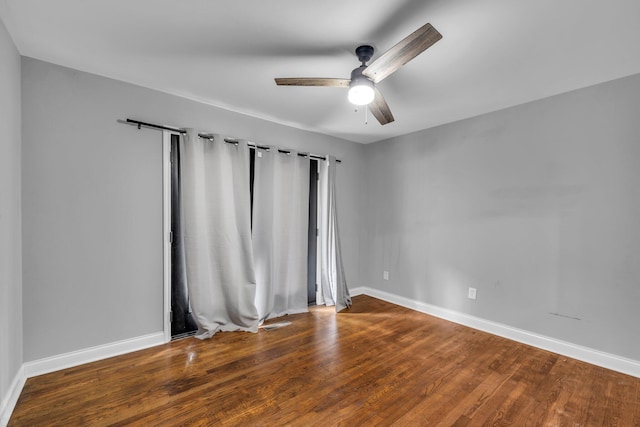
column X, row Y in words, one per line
column 151, row 125
column 210, row 136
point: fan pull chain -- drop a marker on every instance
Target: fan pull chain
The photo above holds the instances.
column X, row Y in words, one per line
column 366, row 114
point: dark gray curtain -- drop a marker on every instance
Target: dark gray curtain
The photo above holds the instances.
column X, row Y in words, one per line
column 182, row 319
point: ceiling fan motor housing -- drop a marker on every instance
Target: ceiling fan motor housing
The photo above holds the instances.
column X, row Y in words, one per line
column 357, row 79
column 356, row 74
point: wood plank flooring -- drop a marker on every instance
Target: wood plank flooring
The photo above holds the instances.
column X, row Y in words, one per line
column 375, row 364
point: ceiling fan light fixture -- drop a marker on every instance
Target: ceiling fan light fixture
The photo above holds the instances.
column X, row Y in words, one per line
column 361, row 88
column 361, row 94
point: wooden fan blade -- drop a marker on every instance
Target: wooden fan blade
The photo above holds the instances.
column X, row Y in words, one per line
column 312, row 81
column 412, row 46
column 380, row 109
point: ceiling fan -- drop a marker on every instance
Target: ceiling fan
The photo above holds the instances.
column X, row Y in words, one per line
column 362, row 85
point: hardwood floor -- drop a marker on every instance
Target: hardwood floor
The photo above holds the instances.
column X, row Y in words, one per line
column 375, row 364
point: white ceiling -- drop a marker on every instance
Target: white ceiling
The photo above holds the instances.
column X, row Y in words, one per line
column 494, row 53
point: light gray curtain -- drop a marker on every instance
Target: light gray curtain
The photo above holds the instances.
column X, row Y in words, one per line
column 333, row 281
column 217, row 234
column 280, row 232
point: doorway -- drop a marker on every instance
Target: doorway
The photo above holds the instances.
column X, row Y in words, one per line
column 312, row 282
column 181, row 316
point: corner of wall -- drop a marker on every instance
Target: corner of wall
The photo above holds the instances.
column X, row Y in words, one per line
column 11, row 339
column 13, row 394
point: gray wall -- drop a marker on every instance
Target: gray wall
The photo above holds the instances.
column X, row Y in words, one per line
column 92, row 202
column 537, row 206
column 10, row 214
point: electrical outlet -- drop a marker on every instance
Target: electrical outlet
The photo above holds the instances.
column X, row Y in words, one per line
column 385, row 275
column 472, row 293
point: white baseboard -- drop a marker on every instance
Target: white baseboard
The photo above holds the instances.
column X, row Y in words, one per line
column 68, row 360
column 357, row 291
column 87, row 355
column 10, row 400
column 586, row 354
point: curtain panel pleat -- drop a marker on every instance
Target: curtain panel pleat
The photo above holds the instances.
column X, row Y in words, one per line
column 333, row 280
column 280, row 232
column 217, row 234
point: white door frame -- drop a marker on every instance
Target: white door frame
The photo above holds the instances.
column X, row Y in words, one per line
column 166, row 231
